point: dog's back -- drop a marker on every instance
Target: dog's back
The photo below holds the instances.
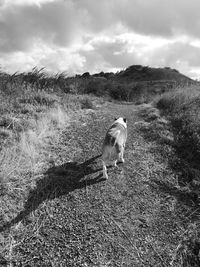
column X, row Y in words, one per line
column 117, row 133
column 114, row 141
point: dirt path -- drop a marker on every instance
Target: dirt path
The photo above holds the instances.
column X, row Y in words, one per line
column 75, row 218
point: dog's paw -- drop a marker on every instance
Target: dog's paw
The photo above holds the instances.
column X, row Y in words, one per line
column 115, row 164
column 121, row 161
column 105, row 176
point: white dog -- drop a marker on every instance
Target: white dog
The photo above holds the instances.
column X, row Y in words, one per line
column 114, row 143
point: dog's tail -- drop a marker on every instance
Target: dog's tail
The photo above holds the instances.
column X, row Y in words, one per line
column 115, row 137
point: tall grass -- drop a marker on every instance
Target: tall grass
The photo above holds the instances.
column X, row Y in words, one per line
column 182, row 107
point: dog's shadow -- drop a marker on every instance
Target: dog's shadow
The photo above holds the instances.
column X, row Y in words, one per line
column 58, row 181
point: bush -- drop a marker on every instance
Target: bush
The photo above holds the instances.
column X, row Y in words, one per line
column 95, row 86
column 132, row 92
column 119, row 92
column 86, row 103
column 38, row 98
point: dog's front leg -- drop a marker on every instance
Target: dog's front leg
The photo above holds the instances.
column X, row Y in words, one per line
column 115, row 162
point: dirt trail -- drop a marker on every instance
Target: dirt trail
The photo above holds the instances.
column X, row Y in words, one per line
column 75, row 218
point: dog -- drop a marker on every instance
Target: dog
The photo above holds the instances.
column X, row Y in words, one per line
column 114, row 143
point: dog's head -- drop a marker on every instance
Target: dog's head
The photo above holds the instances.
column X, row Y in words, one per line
column 122, row 121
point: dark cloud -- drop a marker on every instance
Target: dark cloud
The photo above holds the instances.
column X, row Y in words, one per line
column 54, row 23
column 162, row 18
column 64, row 21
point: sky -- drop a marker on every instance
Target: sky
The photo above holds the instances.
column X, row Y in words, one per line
column 76, row 36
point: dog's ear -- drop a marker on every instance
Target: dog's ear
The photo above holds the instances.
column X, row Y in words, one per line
column 125, row 120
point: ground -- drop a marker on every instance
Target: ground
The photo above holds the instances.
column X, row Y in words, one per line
column 73, row 217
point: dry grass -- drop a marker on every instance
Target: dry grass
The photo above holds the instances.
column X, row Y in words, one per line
column 25, row 156
column 31, row 121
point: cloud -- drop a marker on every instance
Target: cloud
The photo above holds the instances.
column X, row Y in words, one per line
column 53, row 22
column 64, row 22
column 154, row 17
column 114, row 53
column 108, row 53
column 41, row 55
column 6, row 3
column 63, row 60
column 183, row 56
column 92, row 35
column 179, row 52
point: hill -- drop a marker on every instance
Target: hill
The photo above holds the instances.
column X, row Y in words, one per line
column 141, row 73
column 144, row 73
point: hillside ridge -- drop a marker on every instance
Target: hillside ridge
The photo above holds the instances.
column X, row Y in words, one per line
column 141, row 73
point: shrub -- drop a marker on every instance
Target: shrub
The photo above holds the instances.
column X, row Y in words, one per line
column 119, row 92
column 86, row 103
column 96, row 87
column 38, row 98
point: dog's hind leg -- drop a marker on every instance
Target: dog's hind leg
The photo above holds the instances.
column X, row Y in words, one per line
column 105, row 174
column 117, row 158
column 120, row 153
column 105, row 157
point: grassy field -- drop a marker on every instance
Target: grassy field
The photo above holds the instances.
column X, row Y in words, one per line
column 56, row 210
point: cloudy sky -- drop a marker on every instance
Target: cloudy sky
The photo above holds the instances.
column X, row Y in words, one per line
column 99, row 35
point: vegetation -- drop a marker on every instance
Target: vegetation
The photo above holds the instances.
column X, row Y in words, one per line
column 31, row 120
column 138, row 84
column 173, row 125
column 182, row 109
column 182, row 186
column 145, row 73
column 55, row 208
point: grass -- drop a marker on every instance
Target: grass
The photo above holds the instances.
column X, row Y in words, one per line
column 23, row 151
column 172, row 126
column 182, row 109
column 31, row 121
column 80, row 219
